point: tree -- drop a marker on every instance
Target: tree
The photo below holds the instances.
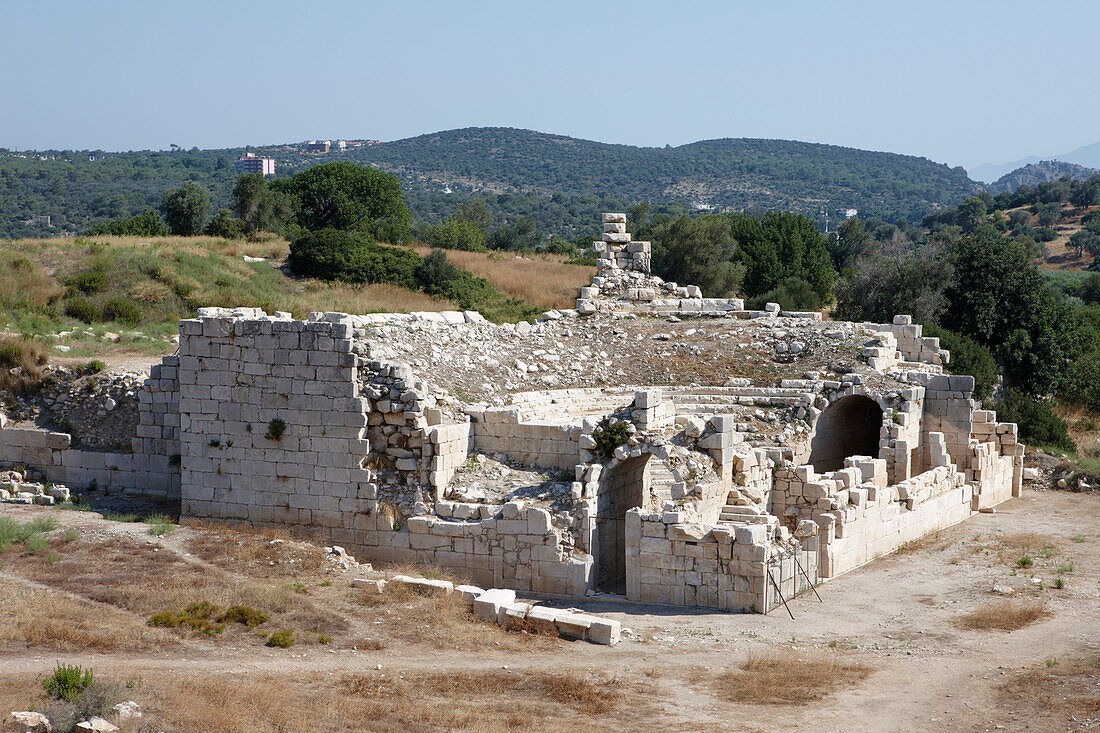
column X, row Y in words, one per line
column 779, row 245
column 999, row 299
column 346, row 196
column 475, row 212
column 451, row 234
column 258, row 207
column 225, row 226
column 435, row 273
column 852, row 239
column 145, row 224
column 881, row 286
column 698, row 252
column 186, row 209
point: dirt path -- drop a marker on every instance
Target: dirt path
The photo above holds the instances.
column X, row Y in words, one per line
column 896, row 615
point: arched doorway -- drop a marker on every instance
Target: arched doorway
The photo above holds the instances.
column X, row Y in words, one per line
column 621, row 489
column 848, row 427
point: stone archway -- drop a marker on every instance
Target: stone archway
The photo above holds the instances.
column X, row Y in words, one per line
column 850, row 426
column 622, row 488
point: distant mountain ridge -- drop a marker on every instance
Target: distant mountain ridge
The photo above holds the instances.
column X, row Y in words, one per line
column 556, row 179
column 729, row 172
column 1086, row 155
column 1041, row 172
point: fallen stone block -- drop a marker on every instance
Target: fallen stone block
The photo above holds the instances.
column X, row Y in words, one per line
column 28, row 721
column 127, row 710
column 573, row 625
column 428, row 586
column 487, row 605
column 96, row 724
column 375, row 586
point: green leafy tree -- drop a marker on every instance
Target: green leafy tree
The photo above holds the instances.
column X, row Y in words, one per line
column 698, row 252
column 258, row 206
column 346, row 196
column 884, row 285
column 225, row 226
column 435, row 273
column 452, row 234
column 476, row 213
column 999, row 299
column 145, row 224
column 186, row 209
column 852, row 239
column 967, row 357
column 779, row 245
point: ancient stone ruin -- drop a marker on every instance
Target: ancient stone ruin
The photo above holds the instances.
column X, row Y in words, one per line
column 651, row 443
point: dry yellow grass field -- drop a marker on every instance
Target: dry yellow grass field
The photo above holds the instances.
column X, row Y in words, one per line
column 544, row 280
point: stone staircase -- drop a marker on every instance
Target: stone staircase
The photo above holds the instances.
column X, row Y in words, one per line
column 661, row 479
column 741, row 510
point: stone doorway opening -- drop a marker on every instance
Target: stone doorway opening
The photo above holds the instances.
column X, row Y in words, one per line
column 622, row 489
column 848, row 427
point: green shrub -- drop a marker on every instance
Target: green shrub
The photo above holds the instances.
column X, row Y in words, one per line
column 457, row 234
column 331, row 254
column 275, row 429
column 123, row 310
column 609, row 436
column 36, row 544
column 196, row 616
column 160, row 524
column 435, row 272
column 1036, row 420
column 89, row 281
column 792, row 294
column 12, row 532
column 83, row 309
column 225, row 226
column 145, row 224
column 68, row 681
column 95, row 366
column 250, row 617
column 283, row 639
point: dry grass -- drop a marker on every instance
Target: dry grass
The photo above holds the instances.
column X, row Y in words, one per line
column 27, row 357
column 39, row 617
column 788, row 677
column 544, row 281
column 445, row 622
column 1053, row 695
column 1028, row 541
column 411, row 701
column 1004, row 615
column 258, row 552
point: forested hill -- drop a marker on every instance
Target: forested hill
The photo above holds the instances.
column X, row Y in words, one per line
column 558, row 181
column 736, row 173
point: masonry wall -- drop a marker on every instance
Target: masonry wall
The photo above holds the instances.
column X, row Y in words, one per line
column 687, row 565
column 545, row 446
column 151, row 469
column 236, row 376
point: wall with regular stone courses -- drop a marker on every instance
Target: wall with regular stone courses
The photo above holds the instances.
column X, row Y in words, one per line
column 238, row 374
column 148, row 470
column 542, row 445
column 684, row 564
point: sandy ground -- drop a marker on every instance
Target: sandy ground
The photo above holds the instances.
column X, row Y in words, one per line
column 896, row 615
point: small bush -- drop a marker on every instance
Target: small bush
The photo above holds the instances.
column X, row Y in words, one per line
column 26, row 357
column 1024, row 561
column 123, row 310
column 89, row 281
column 283, row 639
column 1037, row 421
column 83, row 309
column 68, row 682
column 275, row 429
column 196, row 617
column 609, row 436
column 160, row 524
column 1006, row 615
column 36, row 544
column 12, row 531
column 95, row 366
column 250, row 617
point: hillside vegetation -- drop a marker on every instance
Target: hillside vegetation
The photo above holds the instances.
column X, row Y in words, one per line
column 561, row 183
column 127, row 293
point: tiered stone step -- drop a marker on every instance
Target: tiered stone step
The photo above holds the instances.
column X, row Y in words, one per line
column 738, row 509
column 660, row 478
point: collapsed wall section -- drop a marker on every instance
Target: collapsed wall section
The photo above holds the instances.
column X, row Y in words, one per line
column 150, row 468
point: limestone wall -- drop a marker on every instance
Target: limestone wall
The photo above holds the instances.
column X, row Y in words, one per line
column 517, row 547
column 543, row 445
column 669, row 561
column 150, row 469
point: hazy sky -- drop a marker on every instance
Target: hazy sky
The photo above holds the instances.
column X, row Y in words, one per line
column 957, row 81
